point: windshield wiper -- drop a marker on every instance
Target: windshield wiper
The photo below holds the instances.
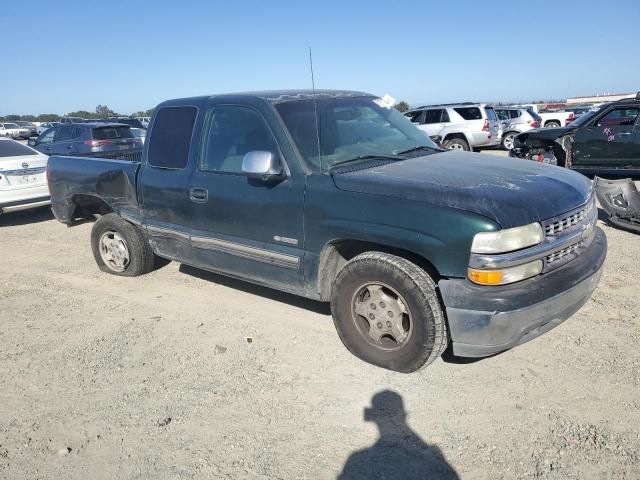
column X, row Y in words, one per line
column 419, row 147
column 395, row 158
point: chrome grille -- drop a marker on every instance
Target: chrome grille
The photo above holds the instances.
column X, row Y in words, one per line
column 566, row 223
column 558, row 229
column 561, row 254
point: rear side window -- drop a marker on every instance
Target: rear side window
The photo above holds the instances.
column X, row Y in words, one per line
column 469, row 113
column 171, row 137
column 110, row 133
column 491, row 114
column 77, row 133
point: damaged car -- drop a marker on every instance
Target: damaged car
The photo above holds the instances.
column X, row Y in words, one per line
column 604, row 142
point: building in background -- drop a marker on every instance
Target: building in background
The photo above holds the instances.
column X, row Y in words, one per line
column 607, row 97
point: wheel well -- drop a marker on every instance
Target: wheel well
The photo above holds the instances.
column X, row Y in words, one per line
column 552, row 121
column 88, row 206
column 451, row 136
column 337, row 253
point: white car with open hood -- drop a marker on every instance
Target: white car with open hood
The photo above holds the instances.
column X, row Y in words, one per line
column 23, row 182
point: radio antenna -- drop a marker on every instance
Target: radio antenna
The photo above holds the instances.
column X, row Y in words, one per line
column 315, row 107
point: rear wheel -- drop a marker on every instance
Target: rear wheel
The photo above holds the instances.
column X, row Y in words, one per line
column 508, row 140
column 552, row 124
column 387, row 312
column 119, row 247
column 456, row 144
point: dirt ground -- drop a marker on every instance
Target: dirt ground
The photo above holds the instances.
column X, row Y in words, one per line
column 183, row 374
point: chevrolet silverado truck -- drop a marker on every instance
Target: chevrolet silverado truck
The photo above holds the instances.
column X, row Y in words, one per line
column 604, row 142
column 336, row 196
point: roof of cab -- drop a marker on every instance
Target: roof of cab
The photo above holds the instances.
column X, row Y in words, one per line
column 276, row 96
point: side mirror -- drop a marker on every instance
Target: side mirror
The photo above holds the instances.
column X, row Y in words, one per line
column 32, row 142
column 262, row 165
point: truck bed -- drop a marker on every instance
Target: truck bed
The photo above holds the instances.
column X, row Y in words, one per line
column 74, row 181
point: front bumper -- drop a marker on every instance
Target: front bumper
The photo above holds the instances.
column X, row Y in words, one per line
column 487, row 320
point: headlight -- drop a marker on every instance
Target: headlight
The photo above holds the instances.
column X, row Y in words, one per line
column 505, row 275
column 509, row 240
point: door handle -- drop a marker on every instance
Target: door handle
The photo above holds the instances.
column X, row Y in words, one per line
column 199, row 195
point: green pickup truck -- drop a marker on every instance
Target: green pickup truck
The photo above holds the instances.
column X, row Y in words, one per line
column 336, row 196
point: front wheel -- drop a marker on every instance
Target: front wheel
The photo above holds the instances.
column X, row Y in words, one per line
column 387, row 312
column 119, row 247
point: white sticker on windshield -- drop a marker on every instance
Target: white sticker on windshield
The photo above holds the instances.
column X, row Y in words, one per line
column 385, row 102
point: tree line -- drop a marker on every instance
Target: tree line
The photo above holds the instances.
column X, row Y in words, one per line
column 101, row 111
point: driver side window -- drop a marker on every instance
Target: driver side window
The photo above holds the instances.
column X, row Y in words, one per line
column 47, row 137
column 619, row 117
column 232, row 132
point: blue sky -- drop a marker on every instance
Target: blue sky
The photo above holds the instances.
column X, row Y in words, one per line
column 66, row 55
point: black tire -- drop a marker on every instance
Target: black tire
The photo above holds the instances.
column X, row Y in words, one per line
column 509, row 137
column 140, row 256
column 427, row 334
column 551, row 124
column 456, row 144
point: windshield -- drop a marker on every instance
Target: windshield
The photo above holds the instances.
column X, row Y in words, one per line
column 583, row 119
column 350, row 128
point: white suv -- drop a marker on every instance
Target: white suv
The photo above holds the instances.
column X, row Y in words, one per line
column 458, row 126
column 516, row 120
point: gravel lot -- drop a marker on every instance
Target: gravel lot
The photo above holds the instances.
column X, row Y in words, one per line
column 185, row 374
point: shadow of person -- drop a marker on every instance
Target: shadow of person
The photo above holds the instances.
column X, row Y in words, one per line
column 399, row 453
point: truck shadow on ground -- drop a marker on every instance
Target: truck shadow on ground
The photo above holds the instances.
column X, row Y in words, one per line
column 399, row 452
column 321, row 308
column 25, row 217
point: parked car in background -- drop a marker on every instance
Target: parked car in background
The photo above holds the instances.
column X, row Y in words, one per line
column 515, row 121
column 106, row 140
column 45, row 126
column 414, row 247
column 33, row 129
column 144, row 121
column 132, row 122
column 556, row 119
column 463, row 126
column 13, row 130
column 141, row 133
column 605, row 142
column 23, row 182
column 65, row 120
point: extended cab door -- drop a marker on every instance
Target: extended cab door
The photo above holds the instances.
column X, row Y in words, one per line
column 246, row 227
column 608, row 140
column 163, row 181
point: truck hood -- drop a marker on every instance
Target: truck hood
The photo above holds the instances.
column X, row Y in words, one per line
column 510, row 191
column 545, row 133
